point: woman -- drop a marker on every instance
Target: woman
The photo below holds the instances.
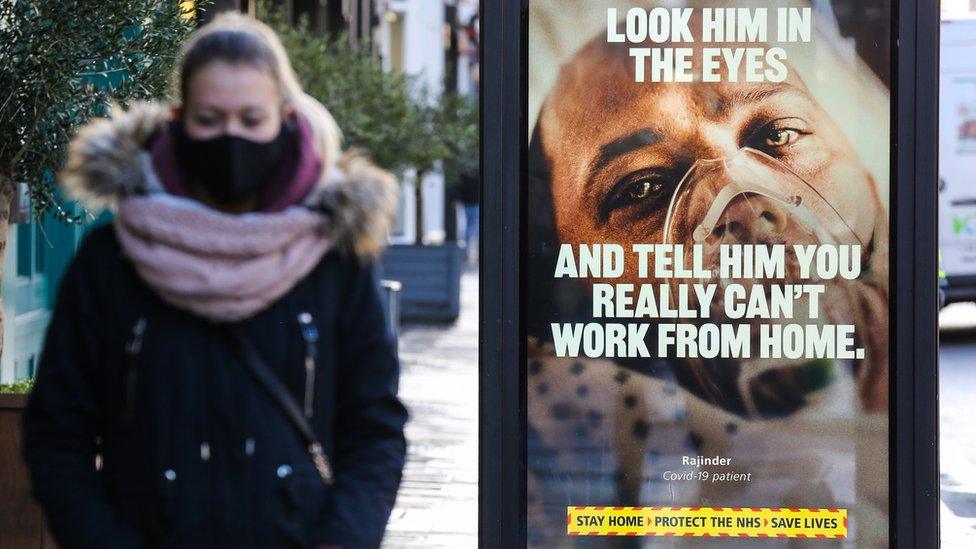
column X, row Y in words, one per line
column 218, row 371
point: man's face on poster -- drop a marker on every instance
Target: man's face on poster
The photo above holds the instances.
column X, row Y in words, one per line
column 616, row 149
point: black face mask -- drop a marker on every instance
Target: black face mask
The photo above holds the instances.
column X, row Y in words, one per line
column 227, row 168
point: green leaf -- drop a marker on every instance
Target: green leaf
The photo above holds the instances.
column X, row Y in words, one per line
column 46, row 51
column 388, row 115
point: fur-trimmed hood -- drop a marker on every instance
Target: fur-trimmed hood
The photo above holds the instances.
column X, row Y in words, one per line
column 108, row 160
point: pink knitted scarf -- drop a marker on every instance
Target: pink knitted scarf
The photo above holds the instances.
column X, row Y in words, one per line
column 219, row 266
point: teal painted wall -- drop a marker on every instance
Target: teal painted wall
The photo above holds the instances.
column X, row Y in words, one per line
column 37, row 255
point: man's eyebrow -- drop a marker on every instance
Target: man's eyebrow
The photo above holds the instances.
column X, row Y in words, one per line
column 755, row 94
column 648, row 136
column 620, row 146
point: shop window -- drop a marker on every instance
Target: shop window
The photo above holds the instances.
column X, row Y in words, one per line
column 397, row 26
column 24, row 249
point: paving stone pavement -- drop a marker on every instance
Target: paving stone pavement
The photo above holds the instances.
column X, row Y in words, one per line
column 437, row 505
column 957, row 431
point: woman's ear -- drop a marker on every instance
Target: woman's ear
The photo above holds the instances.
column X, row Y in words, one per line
column 176, row 113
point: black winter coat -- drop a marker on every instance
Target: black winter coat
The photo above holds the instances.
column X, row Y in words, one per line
column 144, row 430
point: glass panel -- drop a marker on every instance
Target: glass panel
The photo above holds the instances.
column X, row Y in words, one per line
column 707, row 282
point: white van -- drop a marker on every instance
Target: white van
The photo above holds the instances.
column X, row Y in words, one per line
column 957, row 160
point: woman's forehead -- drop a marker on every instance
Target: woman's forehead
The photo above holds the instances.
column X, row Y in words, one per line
column 233, row 86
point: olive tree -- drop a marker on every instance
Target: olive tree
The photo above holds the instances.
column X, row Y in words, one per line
column 386, row 114
column 62, row 63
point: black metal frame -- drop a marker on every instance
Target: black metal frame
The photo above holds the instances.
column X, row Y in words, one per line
column 915, row 440
column 501, row 444
column 914, row 336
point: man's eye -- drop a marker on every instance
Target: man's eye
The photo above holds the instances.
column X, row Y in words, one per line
column 778, row 134
column 777, row 137
column 646, row 189
column 641, row 190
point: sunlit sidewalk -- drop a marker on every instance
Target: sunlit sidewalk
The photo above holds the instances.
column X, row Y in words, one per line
column 438, row 501
column 957, row 433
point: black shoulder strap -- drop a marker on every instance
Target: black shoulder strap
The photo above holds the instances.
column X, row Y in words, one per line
column 280, row 394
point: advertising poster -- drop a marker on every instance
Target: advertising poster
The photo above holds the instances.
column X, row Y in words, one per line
column 707, row 282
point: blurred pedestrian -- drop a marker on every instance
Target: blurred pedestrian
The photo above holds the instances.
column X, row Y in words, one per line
column 469, row 190
column 218, row 371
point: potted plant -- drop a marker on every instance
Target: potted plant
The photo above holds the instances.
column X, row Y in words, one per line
column 404, row 130
column 21, row 520
column 60, row 64
column 447, row 139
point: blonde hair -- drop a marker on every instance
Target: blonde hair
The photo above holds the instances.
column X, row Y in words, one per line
column 238, row 38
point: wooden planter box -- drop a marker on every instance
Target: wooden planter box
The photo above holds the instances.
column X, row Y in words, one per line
column 431, row 280
column 21, row 520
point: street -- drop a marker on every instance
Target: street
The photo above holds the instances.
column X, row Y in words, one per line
column 437, row 505
column 957, row 429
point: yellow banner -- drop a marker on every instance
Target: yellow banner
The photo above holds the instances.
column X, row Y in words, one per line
column 739, row 522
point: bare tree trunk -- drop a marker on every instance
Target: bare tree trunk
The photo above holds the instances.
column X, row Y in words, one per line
column 6, row 195
column 418, row 190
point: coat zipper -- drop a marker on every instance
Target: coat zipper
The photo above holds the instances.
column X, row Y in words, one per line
column 321, row 461
column 310, row 335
